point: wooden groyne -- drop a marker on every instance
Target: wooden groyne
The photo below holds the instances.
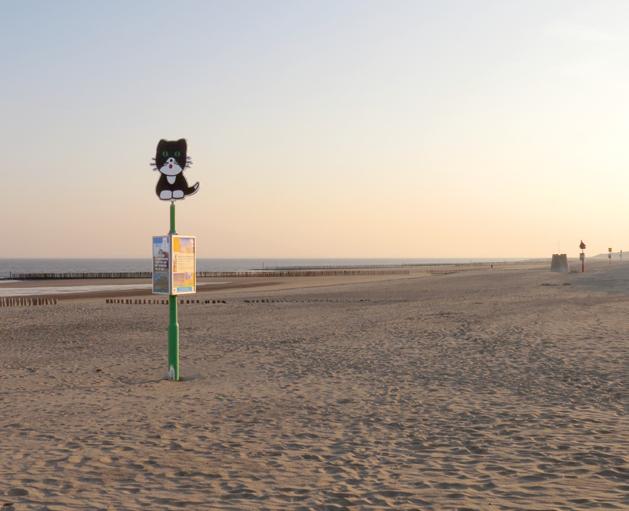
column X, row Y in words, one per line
column 207, row 274
column 26, row 301
column 187, row 301
column 149, row 301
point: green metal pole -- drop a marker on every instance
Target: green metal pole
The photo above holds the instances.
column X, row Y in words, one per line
column 173, row 323
column 173, row 230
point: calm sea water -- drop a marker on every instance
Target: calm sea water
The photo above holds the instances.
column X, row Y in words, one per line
column 8, row 266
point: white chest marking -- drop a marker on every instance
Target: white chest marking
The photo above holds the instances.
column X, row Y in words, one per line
column 171, row 179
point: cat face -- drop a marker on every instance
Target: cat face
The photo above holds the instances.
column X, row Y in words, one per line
column 171, row 157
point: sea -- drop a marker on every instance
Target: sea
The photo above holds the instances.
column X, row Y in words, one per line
column 12, row 266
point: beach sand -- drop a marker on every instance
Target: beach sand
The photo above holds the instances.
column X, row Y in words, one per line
column 478, row 389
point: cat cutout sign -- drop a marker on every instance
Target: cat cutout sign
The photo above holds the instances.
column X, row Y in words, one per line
column 171, row 159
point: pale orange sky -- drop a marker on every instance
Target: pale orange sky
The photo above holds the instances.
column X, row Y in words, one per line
column 318, row 129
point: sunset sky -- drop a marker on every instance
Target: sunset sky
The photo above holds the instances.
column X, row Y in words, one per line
column 317, row 128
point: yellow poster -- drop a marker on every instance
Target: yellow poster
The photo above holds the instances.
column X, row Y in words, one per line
column 184, row 267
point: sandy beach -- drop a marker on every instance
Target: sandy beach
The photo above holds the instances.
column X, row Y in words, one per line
column 478, row 389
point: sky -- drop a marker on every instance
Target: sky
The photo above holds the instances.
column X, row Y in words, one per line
column 317, row 128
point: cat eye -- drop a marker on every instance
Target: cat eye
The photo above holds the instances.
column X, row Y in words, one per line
column 165, row 154
column 177, row 154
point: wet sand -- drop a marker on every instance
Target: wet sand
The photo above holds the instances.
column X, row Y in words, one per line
column 478, row 389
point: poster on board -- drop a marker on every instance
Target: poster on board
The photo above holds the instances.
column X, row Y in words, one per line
column 161, row 265
column 184, row 266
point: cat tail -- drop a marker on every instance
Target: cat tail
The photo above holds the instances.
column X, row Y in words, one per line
column 192, row 189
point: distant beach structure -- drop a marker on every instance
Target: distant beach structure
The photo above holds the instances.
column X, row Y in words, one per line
column 559, row 263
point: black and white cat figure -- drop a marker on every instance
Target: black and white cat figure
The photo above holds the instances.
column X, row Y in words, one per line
column 171, row 160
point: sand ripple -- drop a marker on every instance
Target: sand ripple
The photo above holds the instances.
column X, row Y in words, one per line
column 448, row 392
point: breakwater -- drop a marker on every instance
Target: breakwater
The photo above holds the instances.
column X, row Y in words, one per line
column 206, row 274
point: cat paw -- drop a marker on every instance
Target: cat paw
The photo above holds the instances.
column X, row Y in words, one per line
column 177, row 194
column 165, row 195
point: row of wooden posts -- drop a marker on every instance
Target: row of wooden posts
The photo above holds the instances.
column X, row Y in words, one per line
column 26, row 301
column 312, row 300
column 30, row 301
column 148, row 301
column 206, row 274
column 34, row 301
column 23, row 301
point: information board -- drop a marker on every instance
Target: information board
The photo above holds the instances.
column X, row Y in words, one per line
column 174, row 265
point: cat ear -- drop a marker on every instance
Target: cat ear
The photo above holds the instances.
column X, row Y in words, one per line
column 161, row 143
column 183, row 144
